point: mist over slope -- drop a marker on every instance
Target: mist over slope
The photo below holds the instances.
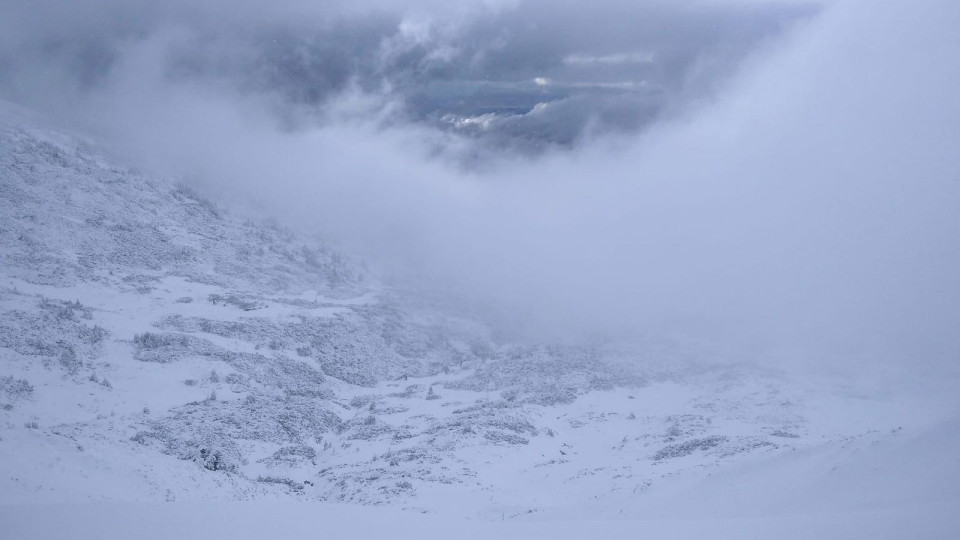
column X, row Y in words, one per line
column 688, row 259
column 155, row 347
column 272, row 365
column 804, row 204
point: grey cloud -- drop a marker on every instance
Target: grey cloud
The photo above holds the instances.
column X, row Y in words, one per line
column 297, row 56
column 807, row 208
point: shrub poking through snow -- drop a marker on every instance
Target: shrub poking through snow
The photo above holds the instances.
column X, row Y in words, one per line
column 292, row 484
column 15, row 388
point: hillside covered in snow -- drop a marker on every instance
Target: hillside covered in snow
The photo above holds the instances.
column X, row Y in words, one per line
column 511, row 269
column 155, row 347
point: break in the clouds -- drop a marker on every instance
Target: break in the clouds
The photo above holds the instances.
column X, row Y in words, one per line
column 772, row 177
column 514, row 76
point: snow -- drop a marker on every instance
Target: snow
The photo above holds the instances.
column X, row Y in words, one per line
column 170, row 370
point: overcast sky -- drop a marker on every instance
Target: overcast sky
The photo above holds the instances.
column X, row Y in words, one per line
column 617, row 66
column 775, row 175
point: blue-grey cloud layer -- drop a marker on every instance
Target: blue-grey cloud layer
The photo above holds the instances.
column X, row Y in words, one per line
column 606, row 66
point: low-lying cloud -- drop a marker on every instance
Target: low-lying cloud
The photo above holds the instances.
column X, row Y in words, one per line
column 800, row 194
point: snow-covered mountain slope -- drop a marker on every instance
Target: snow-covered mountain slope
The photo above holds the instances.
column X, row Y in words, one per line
column 155, row 347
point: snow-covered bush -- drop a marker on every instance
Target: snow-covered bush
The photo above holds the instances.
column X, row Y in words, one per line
column 15, row 389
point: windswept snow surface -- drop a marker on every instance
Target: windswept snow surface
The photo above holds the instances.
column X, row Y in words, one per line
column 156, row 349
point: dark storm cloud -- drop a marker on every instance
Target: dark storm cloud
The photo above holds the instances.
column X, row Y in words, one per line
column 298, row 56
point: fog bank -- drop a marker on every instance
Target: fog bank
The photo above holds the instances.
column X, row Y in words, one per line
column 803, row 201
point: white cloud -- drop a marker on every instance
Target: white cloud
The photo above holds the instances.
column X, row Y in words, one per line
column 618, row 58
column 812, row 203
